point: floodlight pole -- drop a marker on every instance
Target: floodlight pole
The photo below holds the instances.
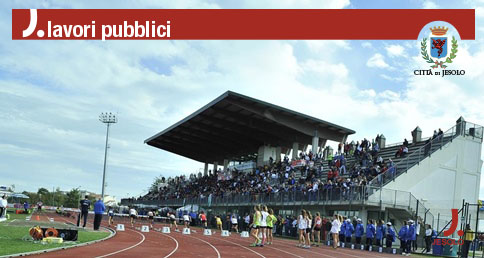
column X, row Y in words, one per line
column 108, row 119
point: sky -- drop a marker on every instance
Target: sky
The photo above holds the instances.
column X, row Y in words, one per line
column 52, row 92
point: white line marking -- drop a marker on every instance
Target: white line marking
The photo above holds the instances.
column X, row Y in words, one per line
column 242, row 247
column 214, row 248
column 174, row 239
column 280, row 250
column 125, row 249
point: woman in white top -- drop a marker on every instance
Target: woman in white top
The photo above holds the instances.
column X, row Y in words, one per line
column 335, row 228
column 302, row 225
column 309, row 220
column 151, row 218
column 133, row 214
column 234, row 222
column 186, row 220
column 428, row 238
column 263, row 224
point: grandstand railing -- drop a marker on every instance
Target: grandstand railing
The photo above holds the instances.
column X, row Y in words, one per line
column 356, row 195
column 463, row 128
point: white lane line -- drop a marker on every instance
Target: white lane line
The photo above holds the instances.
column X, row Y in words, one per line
column 125, row 249
column 242, row 247
column 214, row 248
column 172, row 238
column 277, row 249
column 326, row 249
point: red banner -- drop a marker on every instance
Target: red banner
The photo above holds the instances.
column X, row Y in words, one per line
column 232, row 24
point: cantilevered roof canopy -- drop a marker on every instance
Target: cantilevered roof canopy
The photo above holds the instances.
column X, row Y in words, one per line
column 234, row 126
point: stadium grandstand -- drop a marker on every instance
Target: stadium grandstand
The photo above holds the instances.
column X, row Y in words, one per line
column 263, row 153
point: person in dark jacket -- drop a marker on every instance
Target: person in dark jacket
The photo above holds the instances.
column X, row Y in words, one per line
column 402, row 235
column 359, row 231
column 390, row 236
column 380, row 233
column 370, row 234
column 349, row 229
column 99, row 209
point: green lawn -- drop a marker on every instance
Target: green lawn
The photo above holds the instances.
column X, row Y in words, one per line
column 11, row 238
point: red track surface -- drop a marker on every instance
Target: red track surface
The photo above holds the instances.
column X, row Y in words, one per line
column 133, row 243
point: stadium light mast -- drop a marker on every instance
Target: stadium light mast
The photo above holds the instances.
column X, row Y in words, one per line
column 108, row 119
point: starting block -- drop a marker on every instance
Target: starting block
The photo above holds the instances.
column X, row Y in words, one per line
column 244, row 234
column 370, row 248
column 120, row 227
column 352, row 246
column 145, row 229
column 186, row 231
column 362, row 247
column 394, row 251
column 165, row 230
column 343, row 245
column 380, row 249
column 225, row 233
column 51, row 219
column 207, row 232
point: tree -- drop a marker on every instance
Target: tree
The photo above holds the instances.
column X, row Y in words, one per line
column 72, row 198
column 154, row 185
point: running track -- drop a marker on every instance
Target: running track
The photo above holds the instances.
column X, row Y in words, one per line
column 133, row 243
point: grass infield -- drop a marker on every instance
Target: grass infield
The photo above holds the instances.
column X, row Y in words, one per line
column 13, row 235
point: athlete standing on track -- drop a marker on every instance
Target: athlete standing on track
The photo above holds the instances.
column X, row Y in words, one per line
column 309, row 228
column 133, row 214
column 203, row 218
column 173, row 221
column 234, row 223
column 255, row 226
column 110, row 215
column 302, row 225
column 84, row 206
column 151, row 218
column 271, row 221
column 263, row 224
column 335, row 227
column 317, row 229
column 186, row 220
column 218, row 221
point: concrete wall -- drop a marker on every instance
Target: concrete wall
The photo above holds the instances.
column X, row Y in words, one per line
column 448, row 176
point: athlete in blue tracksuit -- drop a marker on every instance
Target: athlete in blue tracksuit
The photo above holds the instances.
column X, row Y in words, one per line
column 359, row 231
column 402, row 235
column 370, row 233
column 380, row 233
column 342, row 231
column 411, row 235
column 390, row 235
column 349, row 229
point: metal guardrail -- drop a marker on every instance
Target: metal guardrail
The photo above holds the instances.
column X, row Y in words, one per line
column 463, row 128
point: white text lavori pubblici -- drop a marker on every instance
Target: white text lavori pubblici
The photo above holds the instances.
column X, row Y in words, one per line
column 126, row 30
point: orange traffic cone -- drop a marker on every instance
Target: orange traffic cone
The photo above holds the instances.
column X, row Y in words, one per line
column 37, row 217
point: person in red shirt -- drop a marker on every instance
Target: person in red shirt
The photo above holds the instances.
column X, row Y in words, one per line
column 203, row 218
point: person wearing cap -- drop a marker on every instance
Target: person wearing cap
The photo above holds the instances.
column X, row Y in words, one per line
column 370, row 234
column 349, row 229
column 402, row 235
column 411, row 236
column 390, row 237
column 342, row 231
column 359, row 231
column 380, row 233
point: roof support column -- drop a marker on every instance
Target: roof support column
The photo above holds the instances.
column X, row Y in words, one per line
column 315, row 142
column 322, row 145
column 226, row 164
column 215, row 167
column 278, row 154
column 205, row 170
column 295, row 149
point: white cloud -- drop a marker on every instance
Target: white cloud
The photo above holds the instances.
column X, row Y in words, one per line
column 366, row 44
column 378, row 61
column 429, row 5
column 395, row 50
